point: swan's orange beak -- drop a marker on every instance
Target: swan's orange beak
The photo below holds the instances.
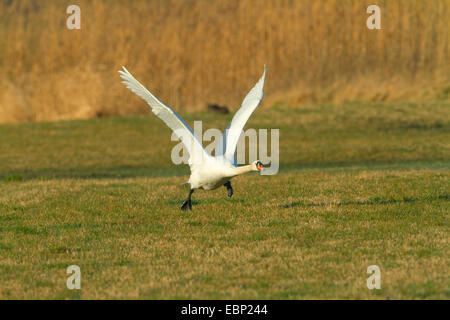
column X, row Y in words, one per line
column 259, row 166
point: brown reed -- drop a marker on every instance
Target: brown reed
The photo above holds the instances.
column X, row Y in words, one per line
column 191, row 52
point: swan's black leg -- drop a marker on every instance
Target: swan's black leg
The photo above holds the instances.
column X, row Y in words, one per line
column 229, row 189
column 187, row 203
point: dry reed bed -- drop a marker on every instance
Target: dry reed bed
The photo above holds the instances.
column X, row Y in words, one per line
column 193, row 52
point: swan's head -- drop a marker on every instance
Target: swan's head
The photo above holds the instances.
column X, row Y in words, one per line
column 258, row 165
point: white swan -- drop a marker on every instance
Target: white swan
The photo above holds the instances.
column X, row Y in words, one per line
column 207, row 172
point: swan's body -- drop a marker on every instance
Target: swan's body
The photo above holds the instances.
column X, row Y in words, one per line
column 207, row 172
column 215, row 173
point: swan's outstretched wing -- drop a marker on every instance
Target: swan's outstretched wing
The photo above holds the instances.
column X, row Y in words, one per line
column 228, row 142
column 170, row 118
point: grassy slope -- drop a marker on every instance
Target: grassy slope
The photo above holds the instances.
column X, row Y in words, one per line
column 359, row 185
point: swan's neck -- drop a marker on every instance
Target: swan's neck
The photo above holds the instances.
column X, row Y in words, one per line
column 236, row 171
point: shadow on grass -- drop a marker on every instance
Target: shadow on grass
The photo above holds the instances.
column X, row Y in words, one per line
column 122, row 172
column 415, row 164
column 369, row 202
column 119, row 172
column 194, row 202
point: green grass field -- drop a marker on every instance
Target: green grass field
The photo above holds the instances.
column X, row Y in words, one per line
column 359, row 184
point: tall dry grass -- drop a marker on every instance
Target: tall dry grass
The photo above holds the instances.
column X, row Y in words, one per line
column 192, row 52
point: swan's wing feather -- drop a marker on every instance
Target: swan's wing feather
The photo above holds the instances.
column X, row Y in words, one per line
column 228, row 142
column 168, row 116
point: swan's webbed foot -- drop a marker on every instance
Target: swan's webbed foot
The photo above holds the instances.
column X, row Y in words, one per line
column 187, row 205
column 229, row 189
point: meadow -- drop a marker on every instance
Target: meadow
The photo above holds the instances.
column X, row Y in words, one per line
column 85, row 171
column 359, row 184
